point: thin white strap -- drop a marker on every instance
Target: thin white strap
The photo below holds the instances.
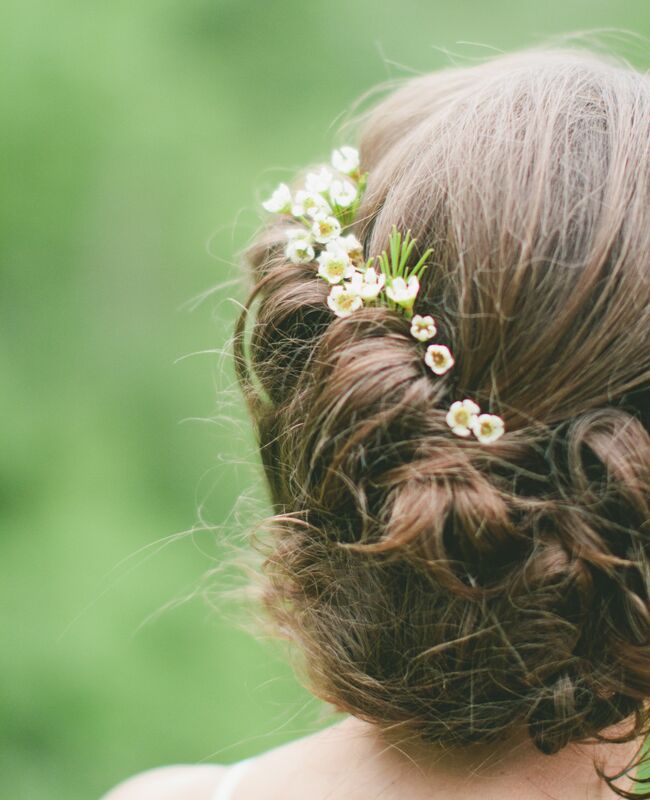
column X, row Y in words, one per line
column 231, row 779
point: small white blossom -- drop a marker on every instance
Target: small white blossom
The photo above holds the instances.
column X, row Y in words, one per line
column 487, row 427
column 423, row 328
column 298, row 232
column 343, row 193
column 345, row 159
column 461, row 416
column 319, row 181
column 334, row 264
column 352, row 247
column 439, row 358
column 325, row 228
column 299, row 250
column 309, row 204
column 280, row 200
column 367, row 284
column 403, row 293
column 343, row 300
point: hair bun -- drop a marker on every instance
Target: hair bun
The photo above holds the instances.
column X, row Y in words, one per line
column 434, row 582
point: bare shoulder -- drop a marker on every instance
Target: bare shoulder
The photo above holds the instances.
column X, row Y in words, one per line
column 312, row 766
column 170, row 783
column 322, row 764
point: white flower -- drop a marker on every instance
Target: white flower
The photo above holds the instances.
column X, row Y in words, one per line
column 367, row 284
column 350, row 243
column 334, row 264
column 487, row 427
column 299, row 250
column 309, row 204
column 343, row 300
column 439, row 358
column 325, row 228
column 345, row 159
column 280, row 200
column 461, row 416
column 319, row 181
column 423, row 328
column 403, row 293
column 343, row 193
column 352, row 247
column 298, row 232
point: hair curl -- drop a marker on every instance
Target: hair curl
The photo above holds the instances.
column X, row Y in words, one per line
column 438, row 583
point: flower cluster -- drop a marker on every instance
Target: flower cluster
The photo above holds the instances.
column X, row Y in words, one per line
column 325, row 206
column 464, row 417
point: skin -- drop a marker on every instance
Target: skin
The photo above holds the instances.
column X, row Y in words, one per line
column 353, row 761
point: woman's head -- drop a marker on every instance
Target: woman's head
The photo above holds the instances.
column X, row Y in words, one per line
column 451, row 587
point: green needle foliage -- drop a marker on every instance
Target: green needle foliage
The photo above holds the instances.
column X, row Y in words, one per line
column 396, row 265
column 394, row 262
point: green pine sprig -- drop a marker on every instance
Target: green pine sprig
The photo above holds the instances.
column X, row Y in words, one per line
column 394, row 263
column 400, row 249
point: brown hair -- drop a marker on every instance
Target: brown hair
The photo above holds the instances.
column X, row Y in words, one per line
column 451, row 587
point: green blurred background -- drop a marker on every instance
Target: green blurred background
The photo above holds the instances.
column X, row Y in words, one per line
column 136, row 139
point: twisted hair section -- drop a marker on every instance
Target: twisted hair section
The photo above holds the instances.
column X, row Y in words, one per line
column 432, row 582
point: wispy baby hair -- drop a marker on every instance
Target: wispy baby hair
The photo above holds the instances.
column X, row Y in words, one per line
column 432, row 582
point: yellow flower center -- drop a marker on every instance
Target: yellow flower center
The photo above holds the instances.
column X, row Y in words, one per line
column 462, row 417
